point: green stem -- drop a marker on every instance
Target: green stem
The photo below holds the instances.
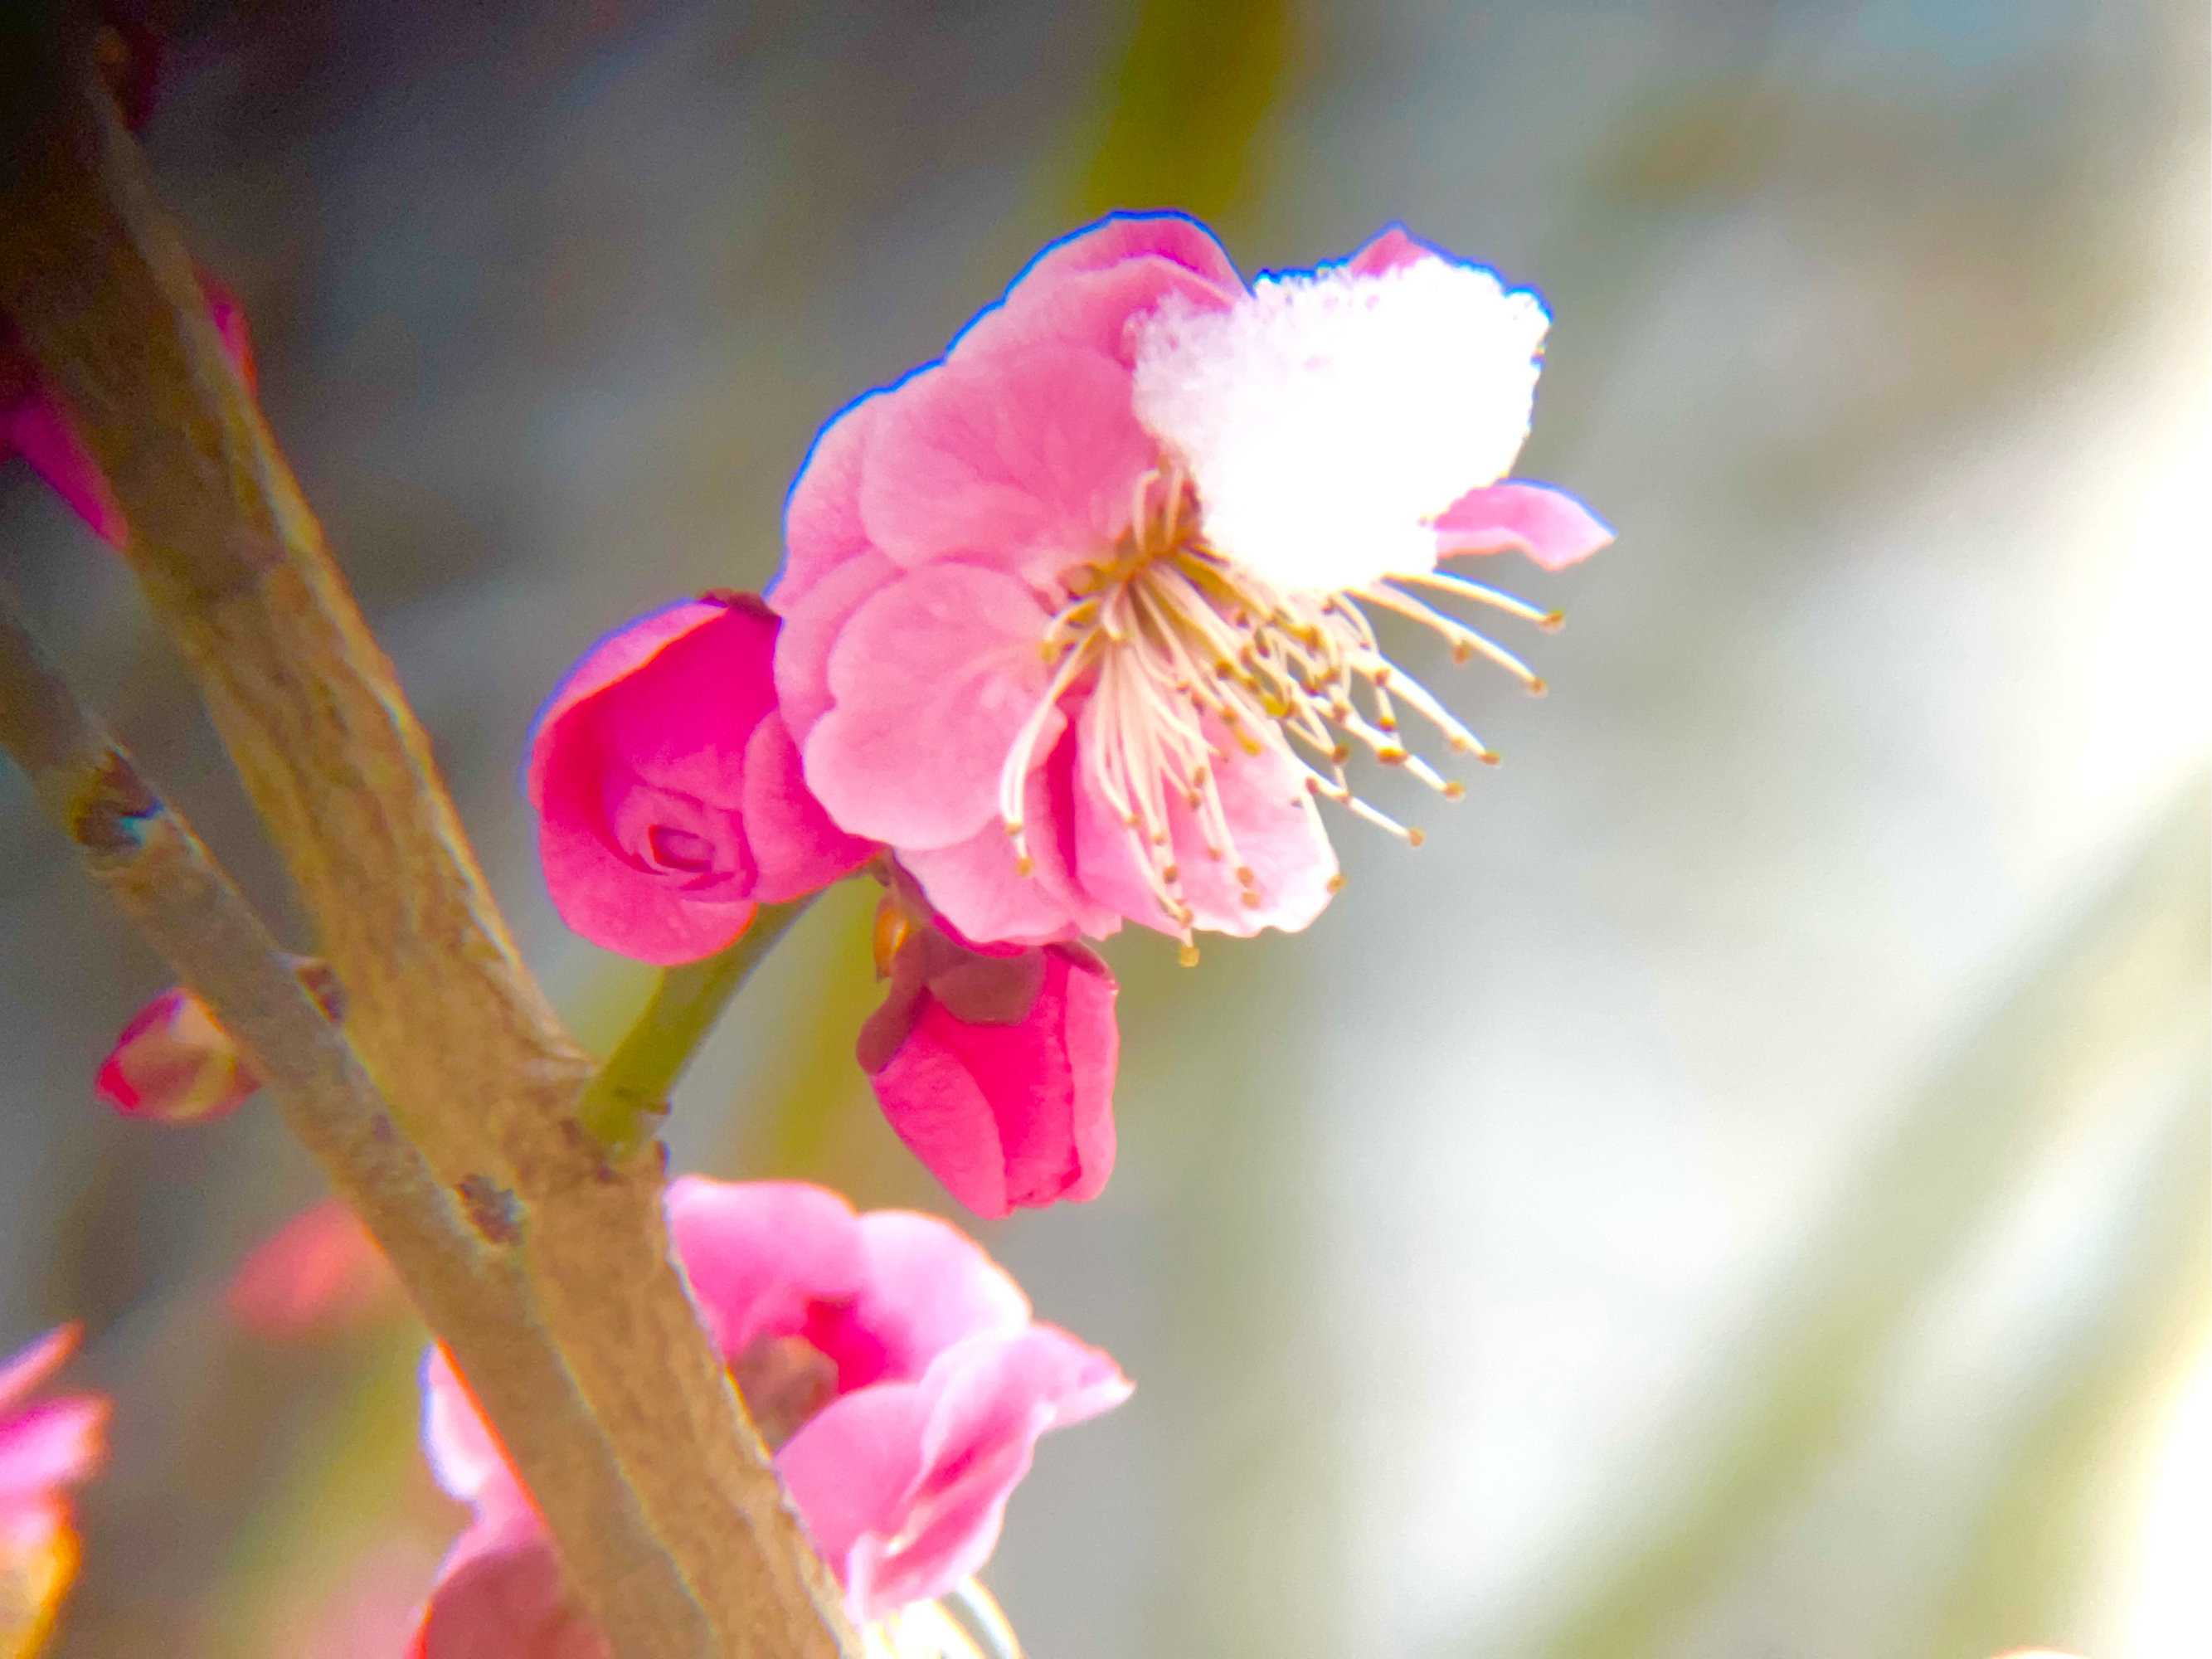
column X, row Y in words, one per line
column 625, row 1103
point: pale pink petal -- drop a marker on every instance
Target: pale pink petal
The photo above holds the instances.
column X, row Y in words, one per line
column 1549, row 524
column 822, row 529
column 56, row 1444
column 1392, row 249
column 319, row 1272
column 1090, row 289
column 991, row 1398
column 1119, row 237
column 978, row 890
column 173, row 1063
column 758, row 1255
column 933, row 678
column 1025, row 461
column 927, row 1287
column 975, row 885
column 848, row 1469
column 811, row 623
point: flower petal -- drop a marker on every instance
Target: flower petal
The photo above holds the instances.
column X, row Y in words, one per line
column 927, row 1287
column 56, row 1445
column 321, row 1272
column 811, row 623
column 758, row 1253
column 932, row 676
column 1019, row 1114
column 1392, row 249
column 1089, row 289
column 1026, row 460
column 991, row 1398
column 500, row 1595
column 849, row 1467
column 464, row 1454
column 822, row 528
column 795, row 847
column 1549, row 524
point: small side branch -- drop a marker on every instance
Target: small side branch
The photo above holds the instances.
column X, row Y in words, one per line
column 142, row 852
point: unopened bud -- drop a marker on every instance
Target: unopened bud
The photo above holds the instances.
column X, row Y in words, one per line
column 173, row 1064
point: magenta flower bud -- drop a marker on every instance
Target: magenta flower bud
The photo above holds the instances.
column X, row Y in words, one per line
column 997, row 1068
column 173, row 1064
column 45, row 1448
column 893, row 1368
column 32, row 424
column 669, row 796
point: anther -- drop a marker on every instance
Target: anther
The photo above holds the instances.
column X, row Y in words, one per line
column 1537, row 688
column 1251, row 900
column 1335, row 883
column 1550, row 621
column 1188, row 955
column 1024, row 865
column 1455, row 790
column 1244, row 875
column 1413, row 836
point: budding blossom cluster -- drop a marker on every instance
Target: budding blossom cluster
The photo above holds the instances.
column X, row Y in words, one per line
column 892, row 1369
column 1074, row 628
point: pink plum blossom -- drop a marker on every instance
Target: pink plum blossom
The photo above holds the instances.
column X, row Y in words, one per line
column 891, row 1367
column 319, row 1273
column 996, row 1068
column 668, row 794
column 45, row 1449
column 173, row 1064
column 33, row 423
column 1076, row 618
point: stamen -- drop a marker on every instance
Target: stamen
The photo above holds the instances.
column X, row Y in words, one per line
column 1484, row 593
column 1186, row 654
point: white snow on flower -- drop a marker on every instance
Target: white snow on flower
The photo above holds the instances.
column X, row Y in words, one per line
column 1326, row 416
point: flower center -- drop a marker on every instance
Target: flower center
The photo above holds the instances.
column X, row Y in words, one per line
column 784, row 1381
column 1190, row 651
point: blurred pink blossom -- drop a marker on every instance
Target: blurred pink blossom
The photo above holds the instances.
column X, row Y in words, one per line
column 995, row 1067
column 892, row 1366
column 45, row 1449
column 669, row 795
column 34, row 424
column 1073, row 618
column 173, row 1064
column 319, row 1273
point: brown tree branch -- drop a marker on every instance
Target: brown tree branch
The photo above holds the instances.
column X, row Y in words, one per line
column 659, row 1494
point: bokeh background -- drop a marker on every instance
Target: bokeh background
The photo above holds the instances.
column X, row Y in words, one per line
column 1740, row 1191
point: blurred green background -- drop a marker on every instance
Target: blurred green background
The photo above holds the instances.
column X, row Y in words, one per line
column 1739, row 1191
